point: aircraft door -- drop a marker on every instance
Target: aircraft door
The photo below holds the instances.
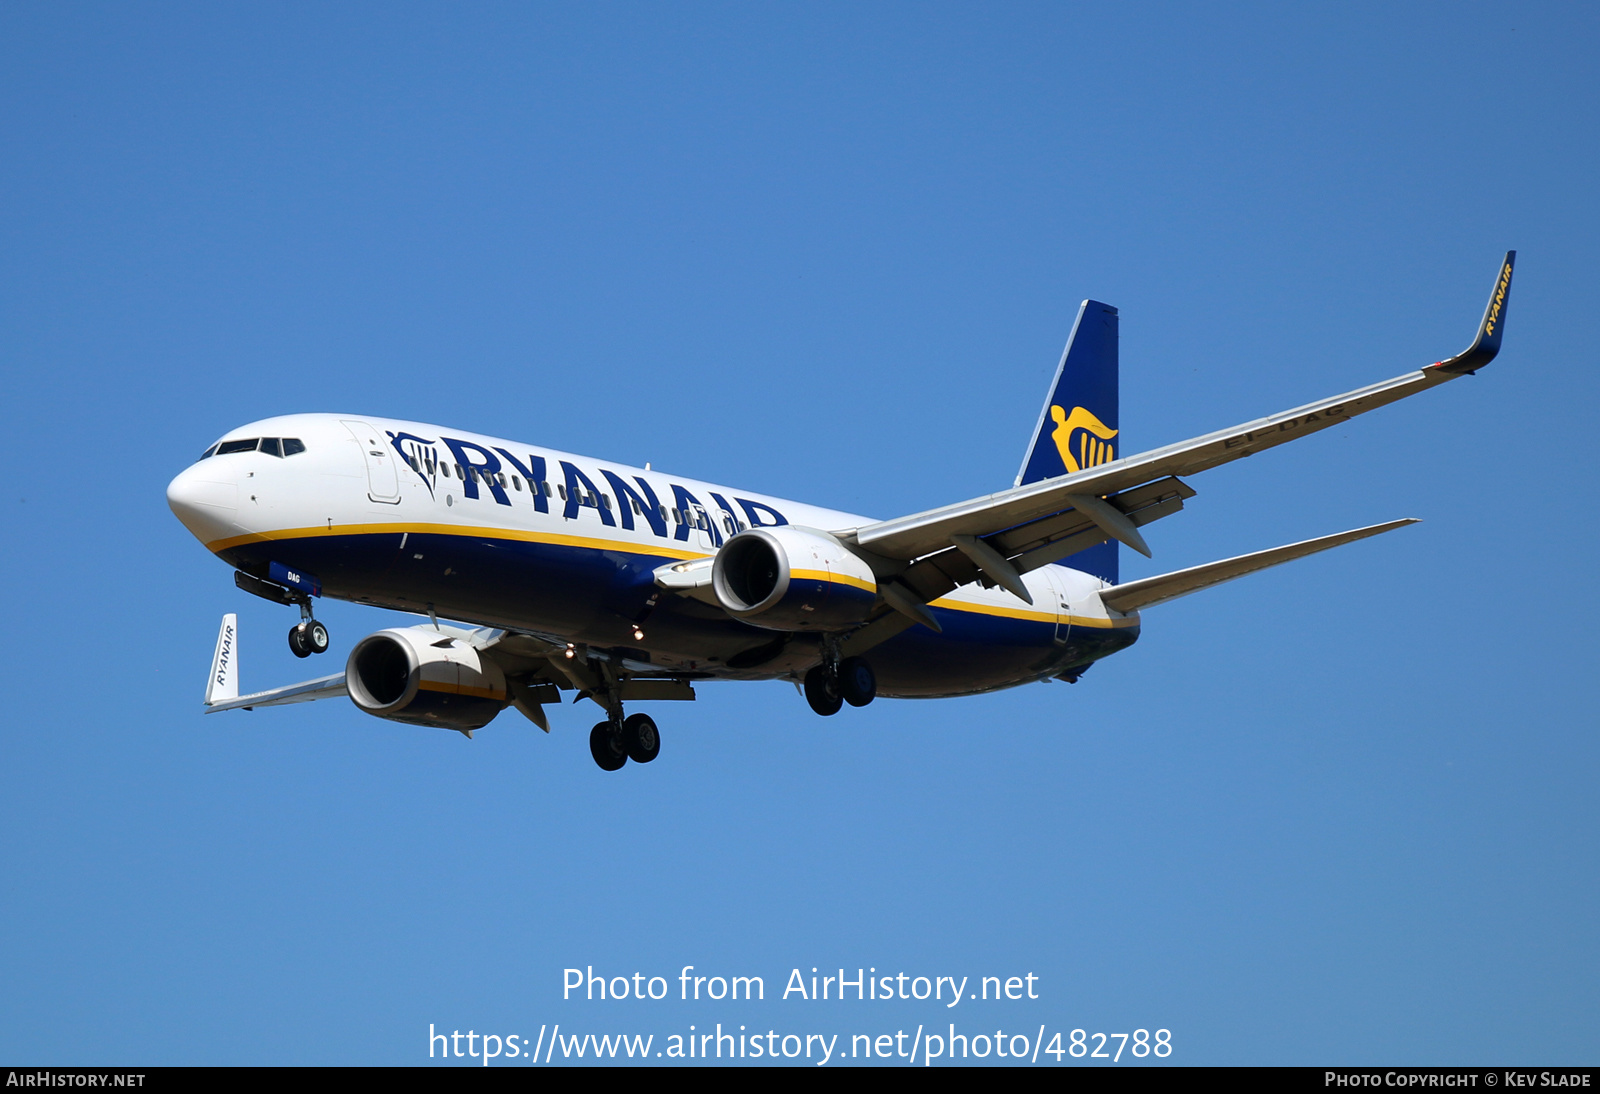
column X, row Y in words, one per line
column 1061, row 605
column 383, row 478
column 703, row 535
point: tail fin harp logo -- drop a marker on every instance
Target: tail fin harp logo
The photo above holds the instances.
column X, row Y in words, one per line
column 1092, row 440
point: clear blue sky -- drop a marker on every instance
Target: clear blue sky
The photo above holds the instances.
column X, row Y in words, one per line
column 1341, row 812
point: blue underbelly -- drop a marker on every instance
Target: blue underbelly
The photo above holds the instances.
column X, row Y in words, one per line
column 597, row 596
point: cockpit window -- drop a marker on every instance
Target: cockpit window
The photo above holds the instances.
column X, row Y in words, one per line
column 272, row 446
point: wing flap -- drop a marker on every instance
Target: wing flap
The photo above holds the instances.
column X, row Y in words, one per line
column 1041, row 542
column 1151, row 591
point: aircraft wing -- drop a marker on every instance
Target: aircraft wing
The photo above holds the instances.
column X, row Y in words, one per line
column 327, row 687
column 222, row 686
column 999, row 536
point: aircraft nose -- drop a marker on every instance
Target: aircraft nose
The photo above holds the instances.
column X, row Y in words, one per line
column 205, row 497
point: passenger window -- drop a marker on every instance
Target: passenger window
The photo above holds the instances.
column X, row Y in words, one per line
column 562, row 489
column 605, row 502
column 228, row 448
column 444, row 469
column 459, row 475
column 516, row 483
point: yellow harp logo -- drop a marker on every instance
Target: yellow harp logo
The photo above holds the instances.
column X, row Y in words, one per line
column 1082, row 439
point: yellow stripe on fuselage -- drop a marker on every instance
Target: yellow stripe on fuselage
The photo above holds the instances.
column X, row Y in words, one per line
column 1032, row 615
column 555, row 539
column 469, row 532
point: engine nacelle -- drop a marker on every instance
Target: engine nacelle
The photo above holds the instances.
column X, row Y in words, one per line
column 425, row 677
column 788, row 578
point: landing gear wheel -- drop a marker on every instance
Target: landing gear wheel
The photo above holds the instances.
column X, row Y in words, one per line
column 605, row 745
column 857, row 683
column 640, row 736
column 308, row 638
column 821, row 693
column 316, row 636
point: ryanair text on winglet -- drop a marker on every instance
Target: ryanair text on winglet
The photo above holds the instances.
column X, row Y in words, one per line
column 1499, row 299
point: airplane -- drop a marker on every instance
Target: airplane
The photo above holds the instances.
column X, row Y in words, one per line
column 543, row 573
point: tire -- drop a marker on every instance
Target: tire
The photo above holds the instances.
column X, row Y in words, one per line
column 315, row 637
column 297, row 644
column 857, row 683
column 641, row 737
column 606, row 748
column 820, row 694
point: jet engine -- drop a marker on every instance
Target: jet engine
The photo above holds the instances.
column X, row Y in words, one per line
column 425, row 677
column 788, row 578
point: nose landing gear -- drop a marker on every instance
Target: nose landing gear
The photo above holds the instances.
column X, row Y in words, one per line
column 307, row 638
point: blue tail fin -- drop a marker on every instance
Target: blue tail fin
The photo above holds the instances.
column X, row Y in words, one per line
column 1078, row 426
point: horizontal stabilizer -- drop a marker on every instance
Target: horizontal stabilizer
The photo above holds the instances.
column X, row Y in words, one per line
column 1158, row 590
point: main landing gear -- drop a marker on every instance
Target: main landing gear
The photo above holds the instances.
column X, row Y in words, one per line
column 829, row 687
column 307, row 636
column 613, row 743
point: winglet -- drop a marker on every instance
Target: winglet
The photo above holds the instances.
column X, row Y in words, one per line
column 223, row 683
column 1487, row 344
